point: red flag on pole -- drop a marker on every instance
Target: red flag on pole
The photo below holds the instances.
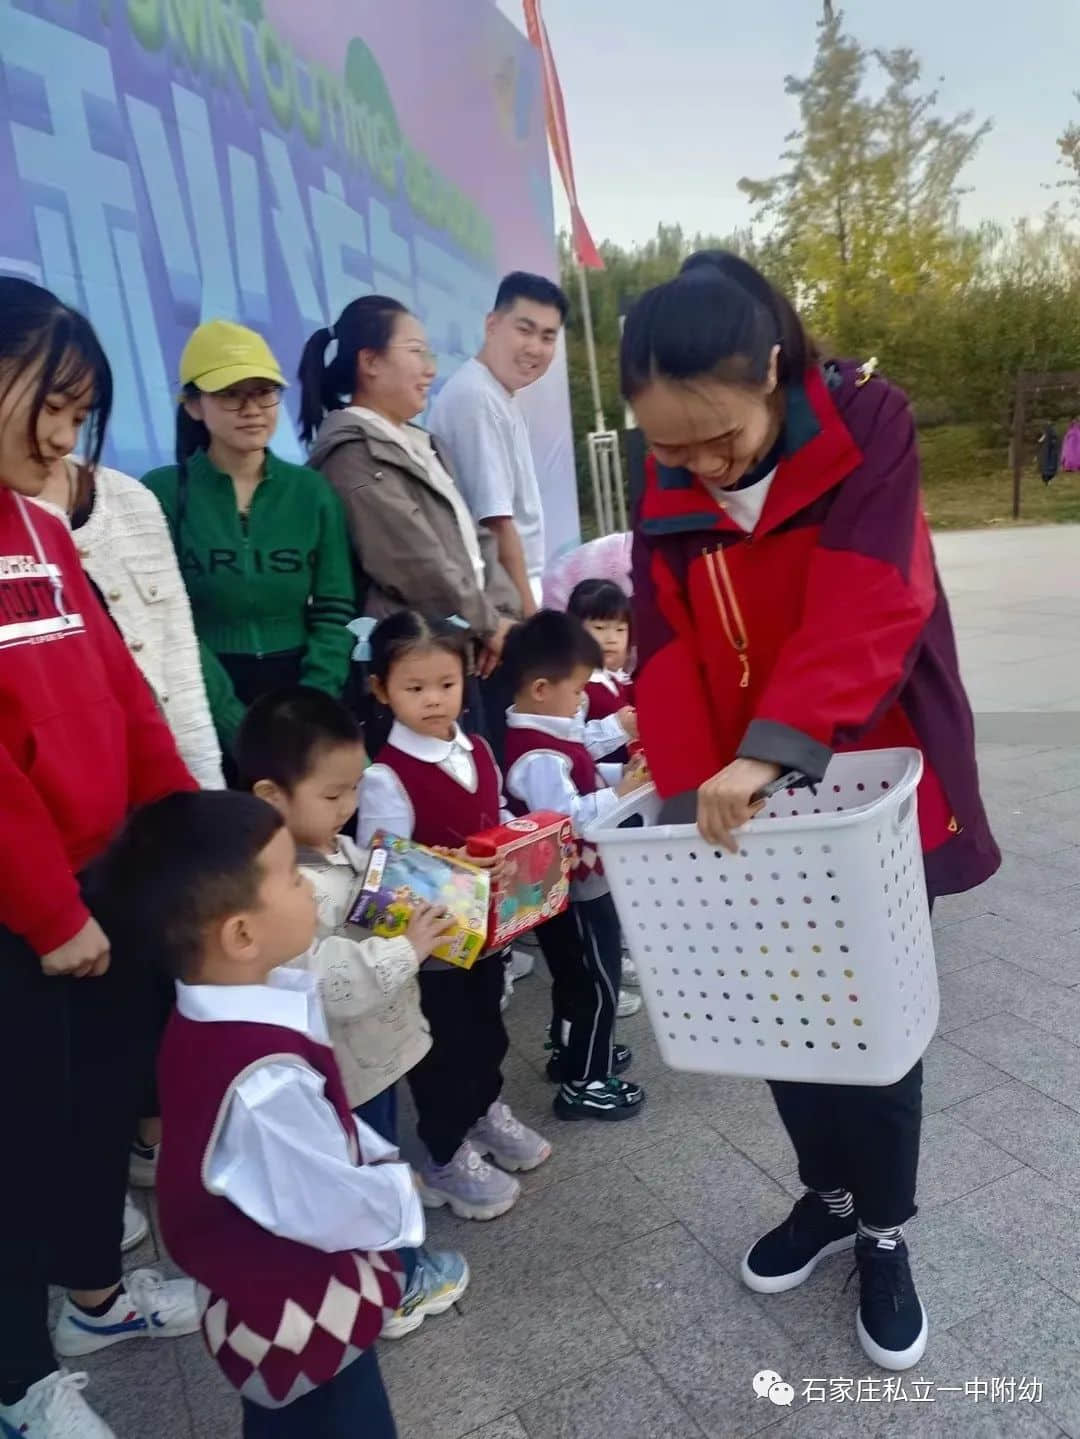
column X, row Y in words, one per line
column 584, row 248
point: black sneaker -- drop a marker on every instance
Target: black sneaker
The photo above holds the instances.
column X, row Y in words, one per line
column 621, row 1060
column 787, row 1256
column 608, row 1099
column 891, row 1322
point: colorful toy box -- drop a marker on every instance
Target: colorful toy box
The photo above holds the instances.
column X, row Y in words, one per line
column 538, row 852
column 401, row 874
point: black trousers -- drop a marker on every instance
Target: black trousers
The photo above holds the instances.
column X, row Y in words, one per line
column 583, row 950
column 460, row 1077
column 863, row 1138
column 858, row 1137
column 75, row 1055
column 354, row 1405
column 252, row 677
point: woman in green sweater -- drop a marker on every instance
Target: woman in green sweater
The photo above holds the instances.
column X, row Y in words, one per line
column 262, row 544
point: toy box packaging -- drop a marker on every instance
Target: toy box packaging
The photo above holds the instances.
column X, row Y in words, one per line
column 401, row 874
column 538, row 852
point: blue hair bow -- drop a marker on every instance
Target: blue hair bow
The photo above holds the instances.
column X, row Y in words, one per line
column 362, row 629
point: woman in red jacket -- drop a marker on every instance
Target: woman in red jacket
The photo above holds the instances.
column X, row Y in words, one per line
column 81, row 743
column 787, row 605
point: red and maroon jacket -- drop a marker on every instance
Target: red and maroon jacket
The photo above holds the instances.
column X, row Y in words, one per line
column 825, row 629
column 280, row 1317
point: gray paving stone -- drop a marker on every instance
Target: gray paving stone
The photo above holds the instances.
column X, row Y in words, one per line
column 1044, row 1061
column 953, row 948
column 724, row 1200
column 136, row 1388
column 1037, row 1333
column 663, row 1282
column 711, row 1367
column 558, row 1228
column 1039, row 1131
column 951, row 1074
column 954, row 1161
column 508, row 1427
column 458, row 1372
column 213, row 1402
column 629, row 1388
column 1053, row 956
column 1032, row 1220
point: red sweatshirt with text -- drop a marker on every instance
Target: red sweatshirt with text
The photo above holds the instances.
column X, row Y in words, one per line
column 81, row 738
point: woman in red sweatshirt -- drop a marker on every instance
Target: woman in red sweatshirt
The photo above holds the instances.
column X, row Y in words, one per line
column 81, row 744
column 786, row 606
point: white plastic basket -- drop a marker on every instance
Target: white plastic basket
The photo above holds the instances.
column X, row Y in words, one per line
column 806, row 956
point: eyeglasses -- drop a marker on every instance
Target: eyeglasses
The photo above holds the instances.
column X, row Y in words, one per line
column 234, row 400
column 429, row 357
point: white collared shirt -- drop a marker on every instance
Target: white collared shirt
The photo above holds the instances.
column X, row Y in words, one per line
column 281, row 1155
column 542, row 779
column 382, row 801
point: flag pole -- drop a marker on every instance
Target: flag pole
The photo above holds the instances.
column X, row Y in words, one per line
column 590, row 346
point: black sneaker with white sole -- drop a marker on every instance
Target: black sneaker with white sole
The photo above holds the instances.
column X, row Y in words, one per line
column 605, row 1099
column 891, row 1322
column 621, row 1060
column 787, row 1256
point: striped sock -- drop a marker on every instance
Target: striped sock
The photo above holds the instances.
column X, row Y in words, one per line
column 888, row 1237
column 839, row 1202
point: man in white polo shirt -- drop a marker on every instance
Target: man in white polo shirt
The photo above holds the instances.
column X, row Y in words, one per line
column 477, row 418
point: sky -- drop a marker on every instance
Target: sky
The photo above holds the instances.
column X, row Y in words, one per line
column 670, row 102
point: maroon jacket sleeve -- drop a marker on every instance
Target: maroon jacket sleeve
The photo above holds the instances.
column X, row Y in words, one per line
column 155, row 768
column 871, row 589
column 674, row 715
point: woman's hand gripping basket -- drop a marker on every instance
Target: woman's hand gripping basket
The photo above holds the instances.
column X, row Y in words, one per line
column 806, row 956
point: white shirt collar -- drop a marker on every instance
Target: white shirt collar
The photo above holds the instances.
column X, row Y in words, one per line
column 554, row 725
column 427, row 747
column 607, row 678
column 288, row 998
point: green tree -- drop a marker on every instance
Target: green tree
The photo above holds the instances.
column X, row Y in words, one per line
column 865, row 213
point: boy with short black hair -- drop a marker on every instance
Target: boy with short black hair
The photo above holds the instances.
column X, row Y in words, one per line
column 303, row 752
column 284, row 1207
column 549, row 660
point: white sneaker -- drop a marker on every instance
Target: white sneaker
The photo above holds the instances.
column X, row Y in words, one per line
column 54, row 1408
column 142, row 1164
column 629, row 972
column 628, row 1004
column 136, row 1225
column 148, row 1307
column 521, row 963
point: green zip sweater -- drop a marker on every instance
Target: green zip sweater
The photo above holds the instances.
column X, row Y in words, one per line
column 279, row 579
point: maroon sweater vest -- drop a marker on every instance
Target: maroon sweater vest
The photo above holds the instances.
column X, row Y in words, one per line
column 604, row 702
column 280, row 1318
column 444, row 812
column 584, row 776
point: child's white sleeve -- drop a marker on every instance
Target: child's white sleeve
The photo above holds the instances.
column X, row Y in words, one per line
column 542, row 780
column 382, row 804
column 603, row 737
column 282, row 1158
column 357, row 976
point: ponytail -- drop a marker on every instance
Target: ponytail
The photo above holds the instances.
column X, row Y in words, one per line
column 364, row 324
column 719, row 317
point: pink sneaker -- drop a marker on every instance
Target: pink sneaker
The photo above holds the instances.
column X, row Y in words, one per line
column 471, row 1187
column 510, row 1143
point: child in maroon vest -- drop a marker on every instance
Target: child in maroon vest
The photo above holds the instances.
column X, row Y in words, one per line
column 436, row 785
column 604, row 609
column 285, row 1208
column 549, row 660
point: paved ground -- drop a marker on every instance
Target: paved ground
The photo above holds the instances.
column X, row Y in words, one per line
column 607, row 1303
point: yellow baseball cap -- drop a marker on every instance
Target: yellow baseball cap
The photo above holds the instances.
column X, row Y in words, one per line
column 220, row 354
